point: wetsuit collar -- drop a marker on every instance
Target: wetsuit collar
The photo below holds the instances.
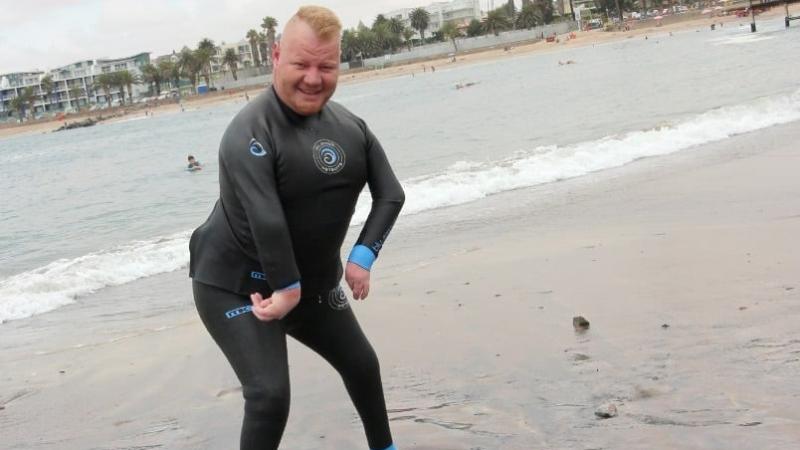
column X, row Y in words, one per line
column 293, row 116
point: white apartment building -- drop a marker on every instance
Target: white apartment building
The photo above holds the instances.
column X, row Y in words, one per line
column 460, row 12
column 243, row 51
column 73, row 85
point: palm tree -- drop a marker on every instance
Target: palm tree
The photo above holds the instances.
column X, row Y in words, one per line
column 408, row 34
column 396, row 26
column 420, row 18
column 269, row 24
column 252, row 37
column 232, row 60
column 23, row 103
column 189, row 66
column 450, row 31
column 529, row 16
column 47, row 86
column 75, row 94
column 496, row 21
column 104, row 82
column 126, row 79
column 204, row 53
column 152, row 76
column 475, row 28
column 170, row 72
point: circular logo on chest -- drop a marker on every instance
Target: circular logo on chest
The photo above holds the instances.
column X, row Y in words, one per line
column 328, row 156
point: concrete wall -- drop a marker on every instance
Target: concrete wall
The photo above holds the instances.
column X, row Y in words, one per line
column 474, row 43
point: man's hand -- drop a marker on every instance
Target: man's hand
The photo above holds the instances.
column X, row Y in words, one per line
column 357, row 278
column 277, row 306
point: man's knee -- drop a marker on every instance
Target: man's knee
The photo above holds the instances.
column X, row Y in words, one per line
column 363, row 365
column 266, row 401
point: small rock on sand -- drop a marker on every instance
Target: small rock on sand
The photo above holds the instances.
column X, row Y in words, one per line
column 580, row 323
column 665, row 326
column 606, row 411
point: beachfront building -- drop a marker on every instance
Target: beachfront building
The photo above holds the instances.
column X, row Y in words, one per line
column 460, row 12
column 73, row 85
column 243, row 51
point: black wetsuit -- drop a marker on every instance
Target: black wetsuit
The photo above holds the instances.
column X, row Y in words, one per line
column 288, row 189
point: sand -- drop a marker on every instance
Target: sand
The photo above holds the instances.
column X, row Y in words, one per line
column 472, row 319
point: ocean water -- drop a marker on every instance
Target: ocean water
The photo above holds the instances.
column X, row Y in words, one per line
column 88, row 209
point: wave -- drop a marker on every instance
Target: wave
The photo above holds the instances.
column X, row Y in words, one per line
column 62, row 282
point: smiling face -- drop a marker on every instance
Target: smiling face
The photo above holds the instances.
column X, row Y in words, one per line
column 306, row 68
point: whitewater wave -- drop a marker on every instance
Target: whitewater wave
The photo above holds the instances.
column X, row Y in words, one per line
column 61, row 282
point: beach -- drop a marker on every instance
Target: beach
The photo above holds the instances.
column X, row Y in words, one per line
column 662, row 210
column 475, row 329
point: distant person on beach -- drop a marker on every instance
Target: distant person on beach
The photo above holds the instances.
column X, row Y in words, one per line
column 194, row 164
column 266, row 263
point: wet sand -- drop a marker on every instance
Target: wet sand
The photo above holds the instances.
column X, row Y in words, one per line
column 471, row 314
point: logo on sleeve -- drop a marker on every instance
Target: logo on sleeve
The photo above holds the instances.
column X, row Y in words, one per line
column 256, row 149
column 328, row 156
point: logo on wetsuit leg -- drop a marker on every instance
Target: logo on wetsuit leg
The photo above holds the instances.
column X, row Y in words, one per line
column 337, row 299
column 256, row 149
column 328, row 156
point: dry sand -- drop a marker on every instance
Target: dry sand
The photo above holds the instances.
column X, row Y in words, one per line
column 472, row 319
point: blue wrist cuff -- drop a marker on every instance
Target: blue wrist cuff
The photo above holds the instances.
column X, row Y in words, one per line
column 294, row 285
column 362, row 256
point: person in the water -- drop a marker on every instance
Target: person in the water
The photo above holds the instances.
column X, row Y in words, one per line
column 266, row 263
column 193, row 164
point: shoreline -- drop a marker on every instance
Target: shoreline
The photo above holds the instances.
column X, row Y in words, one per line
column 583, row 38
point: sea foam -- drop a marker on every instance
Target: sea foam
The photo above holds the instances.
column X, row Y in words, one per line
column 62, row 282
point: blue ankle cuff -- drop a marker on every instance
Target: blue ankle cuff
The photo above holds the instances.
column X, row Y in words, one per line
column 391, row 447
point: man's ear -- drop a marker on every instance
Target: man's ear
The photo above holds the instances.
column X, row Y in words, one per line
column 276, row 53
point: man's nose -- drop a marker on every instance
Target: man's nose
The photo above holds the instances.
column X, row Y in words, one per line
column 312, row 77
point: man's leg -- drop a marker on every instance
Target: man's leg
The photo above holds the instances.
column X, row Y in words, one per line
column 257, row 352
column 329, row 327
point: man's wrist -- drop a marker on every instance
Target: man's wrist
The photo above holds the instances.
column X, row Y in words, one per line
column 362, row 256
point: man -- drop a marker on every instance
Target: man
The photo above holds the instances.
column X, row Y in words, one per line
column 291, row 167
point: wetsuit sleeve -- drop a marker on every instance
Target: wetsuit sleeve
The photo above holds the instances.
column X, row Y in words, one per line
column 253, row 175
column 387, row 201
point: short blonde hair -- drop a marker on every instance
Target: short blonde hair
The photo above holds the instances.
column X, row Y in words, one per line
column 322, row 20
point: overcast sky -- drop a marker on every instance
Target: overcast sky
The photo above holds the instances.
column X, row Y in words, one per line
column 45, row 34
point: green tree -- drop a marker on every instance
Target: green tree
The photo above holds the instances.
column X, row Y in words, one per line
column 379, row 19
column 349, row 45
column 396, row 26
column 231, row 59
column 204, row 54
column 170, row 72
column 529, row 16
column 75, row 94
column 545, row 9
column 47, row 86
column 496, row 21
column 23, row 103
column 475, row 28
column 511, row 10
column 420, row 19
column 153, row 77
column 408, row 35
column 189, row 66
column 126, row 79
column 450, row 31
column 269, row 24
column 252, row 37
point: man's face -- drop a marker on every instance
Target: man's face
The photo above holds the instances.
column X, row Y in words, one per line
column 306, row 68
